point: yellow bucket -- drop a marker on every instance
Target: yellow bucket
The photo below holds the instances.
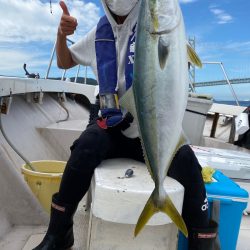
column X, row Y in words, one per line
column 45, row 181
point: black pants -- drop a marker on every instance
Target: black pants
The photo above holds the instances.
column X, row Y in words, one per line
column 96, row 144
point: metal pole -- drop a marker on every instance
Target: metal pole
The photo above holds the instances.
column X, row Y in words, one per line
column 72, row 42
column 85, row 79
column 52, row 56
column 211, row 62
column 77, row 73
column 63, row 75
column 191, row 67
column 227, row 79
column 230, row 85
column 191, row 86
column 51, row 59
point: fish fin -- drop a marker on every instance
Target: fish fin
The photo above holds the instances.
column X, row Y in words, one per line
column 167, row 207
column 127, row 101
column 183, row 140
column 146, row 159
column 163, row 51
column 193, row 57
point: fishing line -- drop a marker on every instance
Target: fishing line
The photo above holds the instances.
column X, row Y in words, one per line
column 50, row 5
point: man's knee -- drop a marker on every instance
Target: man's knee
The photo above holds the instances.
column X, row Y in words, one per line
column 185, row 153
column 185, row 158
column 91, row 138
column 88, row 150
column 185, row 165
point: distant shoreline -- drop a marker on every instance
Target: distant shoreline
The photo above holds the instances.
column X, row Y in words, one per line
column 231, row 102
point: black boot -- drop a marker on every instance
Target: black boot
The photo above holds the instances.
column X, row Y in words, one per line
column 60, row 232
column 203, row 238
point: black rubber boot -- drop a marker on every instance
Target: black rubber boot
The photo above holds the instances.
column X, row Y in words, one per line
column 60, row 232
column 204, row 238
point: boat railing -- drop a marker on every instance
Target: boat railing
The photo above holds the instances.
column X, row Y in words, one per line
column 227, row 79
column 217, row 110
column 190, row 80
column 64, row 71
column 35, row 87
column 15, row 85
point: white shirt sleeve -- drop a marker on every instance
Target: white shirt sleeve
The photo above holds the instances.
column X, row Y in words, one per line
column 83, row 51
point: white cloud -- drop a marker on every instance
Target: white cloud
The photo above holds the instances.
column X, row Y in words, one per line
column 221, row 16
column 31, row 20
column 239, row 46
column 234, row 55
column 15, row 58
column 27, row 26
column 213, row 49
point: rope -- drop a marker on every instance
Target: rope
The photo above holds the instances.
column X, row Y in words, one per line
column 28, row 163
column 63, row 106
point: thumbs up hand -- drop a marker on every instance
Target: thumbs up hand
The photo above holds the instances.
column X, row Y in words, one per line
column 68, row 23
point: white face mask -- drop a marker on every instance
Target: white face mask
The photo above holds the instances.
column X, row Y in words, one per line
column 121, row 7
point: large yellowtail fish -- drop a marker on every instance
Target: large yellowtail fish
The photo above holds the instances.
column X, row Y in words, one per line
column 159, row 93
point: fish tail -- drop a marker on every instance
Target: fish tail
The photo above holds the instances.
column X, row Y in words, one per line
column 149, row 210
column 167, row 207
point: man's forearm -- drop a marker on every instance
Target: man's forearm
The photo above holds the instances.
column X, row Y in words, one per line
column 64, row 58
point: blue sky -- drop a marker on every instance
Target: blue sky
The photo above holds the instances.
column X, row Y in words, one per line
column 220, row 27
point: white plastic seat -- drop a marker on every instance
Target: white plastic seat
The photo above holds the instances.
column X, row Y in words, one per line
column 117, row 203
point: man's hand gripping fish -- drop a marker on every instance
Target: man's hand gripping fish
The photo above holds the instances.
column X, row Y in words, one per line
column 158, row 97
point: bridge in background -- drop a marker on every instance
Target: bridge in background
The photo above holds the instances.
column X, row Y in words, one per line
column 221, row 82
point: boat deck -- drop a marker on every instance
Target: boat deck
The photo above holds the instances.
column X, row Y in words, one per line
column 27, row 237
